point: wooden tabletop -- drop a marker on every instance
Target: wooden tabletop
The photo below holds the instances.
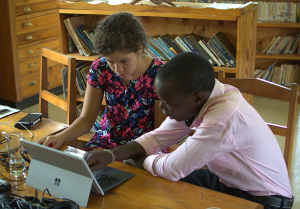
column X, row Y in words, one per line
column 143, row 190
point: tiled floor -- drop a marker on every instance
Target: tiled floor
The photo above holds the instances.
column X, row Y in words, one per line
column 272, row 111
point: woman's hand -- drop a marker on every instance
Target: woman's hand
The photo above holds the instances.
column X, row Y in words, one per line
column 97, row 160
column 51, row 141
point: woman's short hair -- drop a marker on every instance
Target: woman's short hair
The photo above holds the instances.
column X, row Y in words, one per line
column 120, row 32
column 190, row 72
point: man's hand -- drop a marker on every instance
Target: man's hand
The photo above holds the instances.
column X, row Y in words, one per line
column 51, row 141
column 97, row 160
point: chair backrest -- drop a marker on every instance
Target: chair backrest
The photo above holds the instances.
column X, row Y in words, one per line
column 68, row 104
column 260, row 87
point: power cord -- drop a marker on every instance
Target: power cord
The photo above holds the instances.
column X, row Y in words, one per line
column 32, row 202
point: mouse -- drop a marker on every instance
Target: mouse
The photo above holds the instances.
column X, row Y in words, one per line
column 4, row 186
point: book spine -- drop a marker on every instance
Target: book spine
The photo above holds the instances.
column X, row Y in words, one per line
column 165, row 47
column 218, row 44
column 208, row 52
column 188, row 44
column 213, row 52
column 201, row 50
column 175, row 46
column 182, row 45
column 224, row 61
column 83, row 39
column 156, row 51
column 74, row 37
column 168, row 45
column 160, row 49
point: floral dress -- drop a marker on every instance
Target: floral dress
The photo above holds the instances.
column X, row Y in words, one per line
column 129, row 111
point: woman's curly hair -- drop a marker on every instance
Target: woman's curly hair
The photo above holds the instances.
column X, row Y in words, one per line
column 120, row 32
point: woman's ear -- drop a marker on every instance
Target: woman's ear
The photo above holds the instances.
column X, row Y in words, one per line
column 140, row 50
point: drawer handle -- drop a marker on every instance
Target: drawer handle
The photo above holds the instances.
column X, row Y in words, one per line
column 31, row 64
column 29, row 37
column 26, row 9
column 29, row 51
column 32, row 83
column 27, row 24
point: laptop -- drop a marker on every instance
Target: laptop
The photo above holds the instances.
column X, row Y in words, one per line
column 68, row 176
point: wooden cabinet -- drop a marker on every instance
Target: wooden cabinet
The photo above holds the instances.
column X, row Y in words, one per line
column 26, row 26
column 237, row 22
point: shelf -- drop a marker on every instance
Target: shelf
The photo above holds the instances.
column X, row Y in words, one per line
column 198, row 11
column 278, row 24
column 77, row 56
column 278, row 56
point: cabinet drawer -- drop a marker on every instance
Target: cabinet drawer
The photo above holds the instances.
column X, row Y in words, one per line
column 27, row 51
column 32, row 8
column 30, row 83
column 37, row 23
column 37, row 35
column 33, row 65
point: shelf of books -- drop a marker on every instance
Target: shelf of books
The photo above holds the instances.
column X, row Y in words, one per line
column 223, row 33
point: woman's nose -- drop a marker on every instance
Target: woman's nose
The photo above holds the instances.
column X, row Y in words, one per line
column 118, row 68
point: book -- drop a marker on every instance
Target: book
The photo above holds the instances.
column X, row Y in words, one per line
column 294, row 45
column 155, row 43
column 171, row 40
column 194, row 41
column 270, row 44
column 274, row 45
column 164, row 46
column 225, row 47
column 219, row 54
column 188, row 44
column 84, row 38
column 205, row 42
column 71, row 23
column 201, row 42
column 288, row 46
column 6, row 111
column 156, row 51
column 71, row 45
column 170, row 47
column 64, row 79
column 182, row 44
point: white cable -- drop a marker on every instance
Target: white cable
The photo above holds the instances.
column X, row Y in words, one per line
column 7, row 123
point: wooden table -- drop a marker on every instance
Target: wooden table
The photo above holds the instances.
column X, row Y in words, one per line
column 143, row 190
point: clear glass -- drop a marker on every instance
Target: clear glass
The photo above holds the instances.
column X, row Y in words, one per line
column 16, row 162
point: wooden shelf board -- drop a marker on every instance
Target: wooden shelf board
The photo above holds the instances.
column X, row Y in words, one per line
column 278, row 24
column 226, row 69
column 201, row 11
column 83, row 58
column 278, row 56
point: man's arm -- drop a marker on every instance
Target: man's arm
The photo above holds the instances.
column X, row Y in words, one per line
column 99, row 159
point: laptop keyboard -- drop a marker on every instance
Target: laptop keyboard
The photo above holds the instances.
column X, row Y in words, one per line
column 106, row 181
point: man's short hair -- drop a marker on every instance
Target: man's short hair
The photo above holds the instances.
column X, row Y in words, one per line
column 190, row 72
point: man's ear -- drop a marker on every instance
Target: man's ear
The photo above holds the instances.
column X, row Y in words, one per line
column 199, row 97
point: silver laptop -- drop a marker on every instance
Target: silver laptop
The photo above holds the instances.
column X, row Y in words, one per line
column 68, row 176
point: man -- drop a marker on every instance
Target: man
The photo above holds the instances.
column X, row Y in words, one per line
column 240, row 151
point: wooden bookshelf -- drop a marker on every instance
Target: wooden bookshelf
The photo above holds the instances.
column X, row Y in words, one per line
column 236, row 21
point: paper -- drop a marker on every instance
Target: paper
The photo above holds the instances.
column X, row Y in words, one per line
column 5, row 111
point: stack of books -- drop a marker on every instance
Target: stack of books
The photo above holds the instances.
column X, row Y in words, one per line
column 284, row 44
column 82, row 70
column 80, row 37
column 284, row 74
column 218, row 50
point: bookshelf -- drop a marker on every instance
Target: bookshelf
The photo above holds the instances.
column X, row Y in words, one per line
column 266, row 30
column 236, row 21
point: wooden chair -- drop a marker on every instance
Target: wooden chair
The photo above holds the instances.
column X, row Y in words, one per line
column 260, row 87
column 68, row 104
